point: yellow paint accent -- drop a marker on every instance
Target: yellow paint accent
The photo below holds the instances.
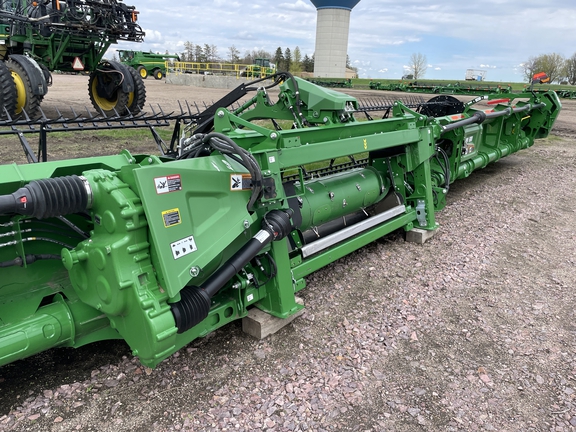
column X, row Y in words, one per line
column 20, row 92
column 365, row 145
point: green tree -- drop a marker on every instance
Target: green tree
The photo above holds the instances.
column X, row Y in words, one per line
column 307, row 64
column 287, row 60
column 554, row 65
column 297, row 60
column 233, row 55
column 208, row 53
column 214, row 57
column 199, row 54
column 279, row 59
column 571, row 69
column 418, row 65
column 188, row 54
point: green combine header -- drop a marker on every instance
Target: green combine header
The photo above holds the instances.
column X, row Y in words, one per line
column 161, row 249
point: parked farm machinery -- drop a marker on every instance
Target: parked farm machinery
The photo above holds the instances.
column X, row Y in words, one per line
column 334, row 83
column 161, row 249
column 147, row 63
column 38, row 38
column 455, row 88
column 562, row 93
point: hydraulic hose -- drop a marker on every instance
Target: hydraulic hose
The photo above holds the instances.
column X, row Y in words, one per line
column 478, row 117
column 195, row 301
column 49, row 198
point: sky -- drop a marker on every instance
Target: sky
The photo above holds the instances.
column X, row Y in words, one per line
column 497, row 36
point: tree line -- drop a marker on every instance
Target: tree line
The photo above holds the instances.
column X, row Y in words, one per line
column 286, row 60
column 559, row 69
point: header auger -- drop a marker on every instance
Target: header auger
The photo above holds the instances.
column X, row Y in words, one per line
column 39, row 37
column 160, row 250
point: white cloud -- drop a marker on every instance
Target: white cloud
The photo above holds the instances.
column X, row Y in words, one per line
column 153, row 36
column 446, row 32
column 297, row 6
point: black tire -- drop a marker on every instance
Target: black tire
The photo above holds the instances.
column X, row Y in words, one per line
column 137, row 99
column 7, row 92
column 142, row 72
column 25, row 99
column 115, row 100
column 157, row 73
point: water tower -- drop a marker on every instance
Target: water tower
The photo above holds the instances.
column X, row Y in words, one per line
column 332, row 29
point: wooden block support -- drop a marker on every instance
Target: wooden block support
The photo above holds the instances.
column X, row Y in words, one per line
column 261, row 324
column 420, row 236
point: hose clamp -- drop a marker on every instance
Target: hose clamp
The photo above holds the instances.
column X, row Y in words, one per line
column 89, row 192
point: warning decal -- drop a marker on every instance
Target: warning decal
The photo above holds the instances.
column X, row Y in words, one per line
column 239, row 182
column 171, row 183
column 77, row 64
column 171, row 217
column 183, row 247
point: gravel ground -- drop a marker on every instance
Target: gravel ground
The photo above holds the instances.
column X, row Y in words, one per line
column 471, row 331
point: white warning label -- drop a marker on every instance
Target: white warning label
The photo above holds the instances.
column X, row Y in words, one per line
column 171, row 183
column 183, row 247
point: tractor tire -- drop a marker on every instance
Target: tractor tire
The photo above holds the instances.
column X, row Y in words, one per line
column 115, row 101
column 142, row 72
column 157, row 73
column 137, row 98
column 7, row 93
column 26, row 100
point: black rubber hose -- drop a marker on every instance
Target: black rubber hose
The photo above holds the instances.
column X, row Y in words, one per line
column 48, row 198
column 18, row 261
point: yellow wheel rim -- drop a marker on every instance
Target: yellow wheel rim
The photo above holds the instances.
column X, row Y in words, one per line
column 105, row 104
column 20, row 92
column 143, row 73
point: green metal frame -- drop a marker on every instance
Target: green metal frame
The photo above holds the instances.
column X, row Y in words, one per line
column 157, row 227
column 57, row 33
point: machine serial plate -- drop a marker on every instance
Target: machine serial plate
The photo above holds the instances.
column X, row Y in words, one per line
column 183, row 247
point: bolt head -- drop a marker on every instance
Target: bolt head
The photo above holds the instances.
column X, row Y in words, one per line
column 194, row 271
